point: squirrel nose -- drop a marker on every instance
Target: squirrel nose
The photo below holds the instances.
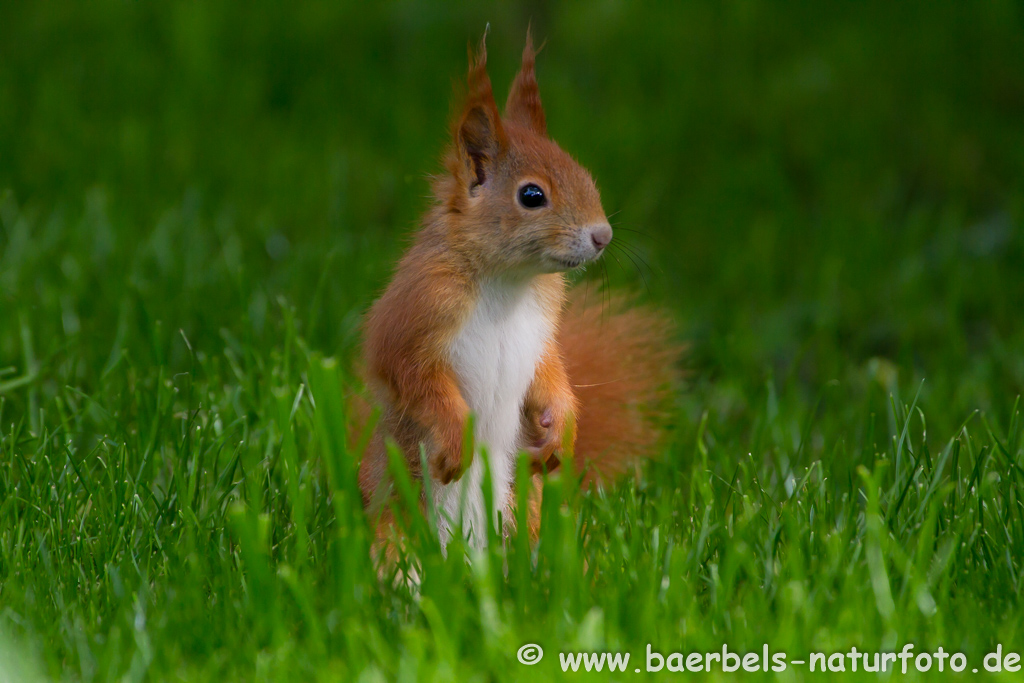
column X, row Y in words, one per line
column 601, row 235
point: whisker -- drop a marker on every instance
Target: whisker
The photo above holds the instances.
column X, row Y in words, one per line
column 598, row 384
column 641, row 233
column 616, row 226
column 623, row 244
column 633, row 250
column 612, row 254
column 586, row 293
column 606, row 300
column 602, row 278
column 638, row 269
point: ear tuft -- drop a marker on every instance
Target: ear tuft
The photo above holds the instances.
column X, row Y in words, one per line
column 523, row 105
column 479, row 136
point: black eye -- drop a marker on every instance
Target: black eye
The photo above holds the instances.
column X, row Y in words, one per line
column 532, row 197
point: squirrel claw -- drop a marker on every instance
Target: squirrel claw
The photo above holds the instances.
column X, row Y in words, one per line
column 543, row 457
column 446, row 469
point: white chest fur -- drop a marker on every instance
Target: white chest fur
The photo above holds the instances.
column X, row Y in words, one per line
column 494, row 356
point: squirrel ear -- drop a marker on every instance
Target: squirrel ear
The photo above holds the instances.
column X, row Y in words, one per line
column 523, row 104
column 479, row 135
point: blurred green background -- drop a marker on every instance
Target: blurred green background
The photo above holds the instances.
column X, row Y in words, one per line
column 814, row 184
column 827, row 196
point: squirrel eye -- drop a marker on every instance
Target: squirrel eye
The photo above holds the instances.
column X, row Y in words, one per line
column 532, row 197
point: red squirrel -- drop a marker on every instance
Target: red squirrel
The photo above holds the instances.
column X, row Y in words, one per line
column 477, row 319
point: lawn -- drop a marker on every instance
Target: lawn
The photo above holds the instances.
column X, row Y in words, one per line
column 198, row 202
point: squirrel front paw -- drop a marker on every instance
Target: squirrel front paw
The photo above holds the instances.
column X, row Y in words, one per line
column 446, row 465
column 544, row 439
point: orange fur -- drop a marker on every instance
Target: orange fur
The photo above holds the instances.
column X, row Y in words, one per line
column 599, row 380
column 623, row 368
column 523, row 105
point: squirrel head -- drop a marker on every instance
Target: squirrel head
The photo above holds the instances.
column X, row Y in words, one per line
column 512, row 195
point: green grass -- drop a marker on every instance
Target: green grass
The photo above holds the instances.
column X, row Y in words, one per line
column 197, row 202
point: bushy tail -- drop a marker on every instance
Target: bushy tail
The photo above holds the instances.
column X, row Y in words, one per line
column 624, row 367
